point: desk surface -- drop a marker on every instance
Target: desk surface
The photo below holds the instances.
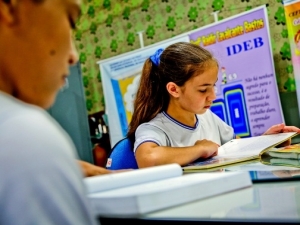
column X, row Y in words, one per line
column 264, row 202
column 273, row 198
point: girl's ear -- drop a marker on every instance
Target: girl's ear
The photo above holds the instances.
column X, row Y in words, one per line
column 7, row 11
column 173, row 89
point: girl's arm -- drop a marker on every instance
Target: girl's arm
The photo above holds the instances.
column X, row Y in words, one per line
column 150, row 154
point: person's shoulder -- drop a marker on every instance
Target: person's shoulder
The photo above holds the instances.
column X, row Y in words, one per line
column 30, row 116
column 157, row 123
column 33, row 126
column 14, row 109
column 158, row 119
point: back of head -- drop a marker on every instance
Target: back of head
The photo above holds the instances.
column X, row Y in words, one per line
column 180, row 61
column 177, row 63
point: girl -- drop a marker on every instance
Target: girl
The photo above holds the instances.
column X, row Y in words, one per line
column 171, row 122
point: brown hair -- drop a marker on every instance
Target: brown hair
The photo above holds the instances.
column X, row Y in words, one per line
column 178, row 63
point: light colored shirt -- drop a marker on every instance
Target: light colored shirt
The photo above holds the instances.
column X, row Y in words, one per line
column 166, row 131
column 41, row 182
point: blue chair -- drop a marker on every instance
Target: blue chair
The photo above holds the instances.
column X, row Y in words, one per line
column 122, row 156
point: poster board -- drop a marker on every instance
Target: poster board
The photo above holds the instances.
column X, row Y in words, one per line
column 120, row 77
column 247, row 91
column 292, row 15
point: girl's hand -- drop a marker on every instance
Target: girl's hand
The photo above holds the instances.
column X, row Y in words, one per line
column 281, row 128
column 208, row 148
column 90, row 170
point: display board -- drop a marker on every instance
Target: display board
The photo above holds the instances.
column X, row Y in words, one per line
column 120, row 77
column 292, row 15
column 247, row 92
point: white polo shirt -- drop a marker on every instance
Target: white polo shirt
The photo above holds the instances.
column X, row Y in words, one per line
column 166, row 131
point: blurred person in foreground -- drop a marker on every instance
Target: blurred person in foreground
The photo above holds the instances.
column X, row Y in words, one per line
column 41, row 178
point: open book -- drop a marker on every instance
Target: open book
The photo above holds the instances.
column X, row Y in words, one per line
column 140, row 191
column 241, row 151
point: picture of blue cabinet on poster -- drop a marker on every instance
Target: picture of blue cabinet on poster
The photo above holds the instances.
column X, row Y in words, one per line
column 233, row 110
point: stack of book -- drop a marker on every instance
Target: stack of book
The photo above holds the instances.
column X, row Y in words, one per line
column 136, row 192
column 284, row 156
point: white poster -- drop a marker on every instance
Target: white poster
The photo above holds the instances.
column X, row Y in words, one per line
column 120, row 79
column 246, row 90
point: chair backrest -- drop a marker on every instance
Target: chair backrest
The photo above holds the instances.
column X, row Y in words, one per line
column 122, row 156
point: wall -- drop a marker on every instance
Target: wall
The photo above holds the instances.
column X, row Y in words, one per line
column 108, row 28
column 69, row 111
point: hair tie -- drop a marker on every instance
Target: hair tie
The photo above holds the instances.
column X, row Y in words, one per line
column 156, row 57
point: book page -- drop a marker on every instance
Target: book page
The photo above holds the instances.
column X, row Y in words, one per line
column 216, row 164
column 240, row 150
column 252, row 146
column 128, row 178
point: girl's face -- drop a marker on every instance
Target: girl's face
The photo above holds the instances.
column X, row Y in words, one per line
column 198, row 93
